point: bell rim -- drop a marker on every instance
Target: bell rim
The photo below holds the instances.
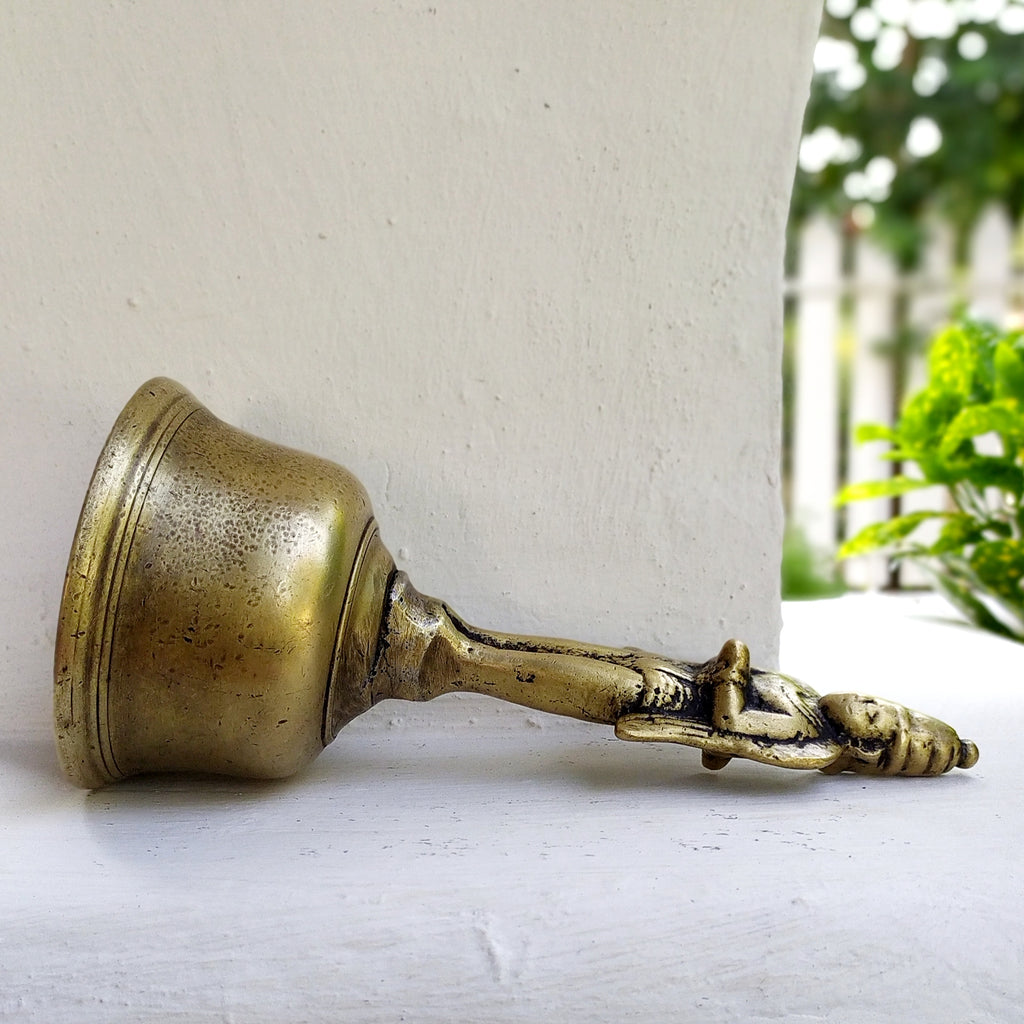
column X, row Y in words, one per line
column 117, row 490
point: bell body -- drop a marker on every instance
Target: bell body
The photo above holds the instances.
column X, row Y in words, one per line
column 218, row 588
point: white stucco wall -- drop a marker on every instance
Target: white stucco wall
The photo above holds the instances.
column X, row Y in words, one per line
column 516, row 264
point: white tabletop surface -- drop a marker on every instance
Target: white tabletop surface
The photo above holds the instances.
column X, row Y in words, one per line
column 464, row 861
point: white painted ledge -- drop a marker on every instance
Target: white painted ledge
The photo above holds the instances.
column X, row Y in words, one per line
column 520, row 868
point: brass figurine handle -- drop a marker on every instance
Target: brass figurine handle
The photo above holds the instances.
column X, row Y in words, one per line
column 721, row 706
column 229, row 606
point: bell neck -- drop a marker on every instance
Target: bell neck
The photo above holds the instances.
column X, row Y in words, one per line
column 430, row 651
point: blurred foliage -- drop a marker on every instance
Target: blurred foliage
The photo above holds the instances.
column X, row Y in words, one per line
column 963, row 432
column 806, row 573
column 915, row 105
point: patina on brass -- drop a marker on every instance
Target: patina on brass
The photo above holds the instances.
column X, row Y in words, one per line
column 229, row 606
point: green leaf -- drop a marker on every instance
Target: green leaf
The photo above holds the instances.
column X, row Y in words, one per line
column 885, row 534
column 1009, row 368
column 926, row 416
column 879, row 489
column 958, row 531
column 999, row 565
column 983, row 471
column 952, row 362
column 874, row 432
column 936, row 469
column 973, row 608
column 1003, row 417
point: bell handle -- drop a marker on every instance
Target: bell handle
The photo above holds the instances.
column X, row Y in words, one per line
column 430, row 651
column 722, row 706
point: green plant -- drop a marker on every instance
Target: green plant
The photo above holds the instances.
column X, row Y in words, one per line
column 806, row 573
column 964, row 432
column 914, row 109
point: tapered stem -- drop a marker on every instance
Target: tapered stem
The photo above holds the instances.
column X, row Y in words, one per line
column 430, row 651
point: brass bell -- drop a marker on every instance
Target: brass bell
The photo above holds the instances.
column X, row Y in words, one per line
column 229, row 606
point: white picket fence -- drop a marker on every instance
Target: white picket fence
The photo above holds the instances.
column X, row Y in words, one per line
column 841, row 314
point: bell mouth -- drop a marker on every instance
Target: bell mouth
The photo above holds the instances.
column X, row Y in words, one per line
column 92, row 585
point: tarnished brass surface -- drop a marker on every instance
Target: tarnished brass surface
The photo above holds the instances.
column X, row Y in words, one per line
column 229, row 606
column 208, row 578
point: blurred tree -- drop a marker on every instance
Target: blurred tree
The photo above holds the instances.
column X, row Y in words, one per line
column 915, row 104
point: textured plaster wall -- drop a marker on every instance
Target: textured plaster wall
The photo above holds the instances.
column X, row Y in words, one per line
column 516, row 264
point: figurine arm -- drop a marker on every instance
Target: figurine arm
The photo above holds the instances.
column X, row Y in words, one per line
column 762, row 716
